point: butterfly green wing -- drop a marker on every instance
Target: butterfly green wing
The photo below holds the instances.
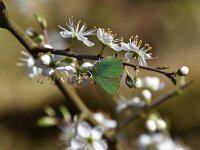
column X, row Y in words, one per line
column 107, row 74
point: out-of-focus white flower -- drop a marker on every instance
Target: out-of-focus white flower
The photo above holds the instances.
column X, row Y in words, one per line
column 68, row 133
column 146, row 95
column 105, row 122
column 45, row 59
column 88, row 138
column 50, row 64
column 161, row 124
column 124, row 103
column 138, row 83
column 48, row 46
column 159, row 141
column 151, row 125
column 152, row 83
column 134, row 51
column 28, row 61
column 75, row 31
column 121, row 105
column 155, row 122
column 108, row 39
column 183, row 71
column 136, row 102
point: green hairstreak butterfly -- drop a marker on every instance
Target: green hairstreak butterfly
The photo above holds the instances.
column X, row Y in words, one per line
column 107, row 72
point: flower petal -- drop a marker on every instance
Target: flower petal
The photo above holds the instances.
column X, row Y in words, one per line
column 77, row 143
column 125, row 46
column 66, row 34
column 84, row 129
column 99, row 117
column 99, row 34
column 115, row 47
column 142, row 61
column 97, row 133
column 88, row 43
column 110, row 124
column 100, row 145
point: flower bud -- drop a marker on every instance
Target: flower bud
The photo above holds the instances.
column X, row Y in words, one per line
column 151, row 125
column 161, row 124
column 183, row 71
column 137, row 82
column 146, row 94
column 45, row 59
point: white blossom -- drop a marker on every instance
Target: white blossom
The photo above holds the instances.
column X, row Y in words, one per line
column 159, row 141
column 124, row 103
column 134, row 51
column 68, row 133
column 75, row 31
column 45, row 59
column 108, row 39
column 105, row 122
column 146, row 95
column 183, row 71
column 152, row 83
column 155, row 122
column 88, row 138
column 28, row 61
column 138, row 82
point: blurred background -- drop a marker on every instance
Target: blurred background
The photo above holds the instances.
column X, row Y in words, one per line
column 171, row 27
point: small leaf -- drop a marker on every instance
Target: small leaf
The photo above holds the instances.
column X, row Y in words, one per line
column 65, row 113
column 49, row 111
column 47, row 121
column 163, row 67
column 173, row 79
column 178, row 92
column 41, row 20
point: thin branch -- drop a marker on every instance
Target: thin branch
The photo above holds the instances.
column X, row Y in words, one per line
column 68, row 92
column 154, row 104
column 74, row 101
column 95, row 57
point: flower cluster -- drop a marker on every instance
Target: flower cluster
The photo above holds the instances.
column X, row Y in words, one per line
column 158, row 141
column 48, row 65
column 87, row 138
column 133, row 48
column 158, row 137
column 77, row 134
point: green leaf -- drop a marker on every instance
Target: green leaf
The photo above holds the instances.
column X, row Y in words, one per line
column 41, row 20
column 173, row 79
column 65, row 113
column 49, row 111
column 107, row 73
column 163, row 67
column 47, row 121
